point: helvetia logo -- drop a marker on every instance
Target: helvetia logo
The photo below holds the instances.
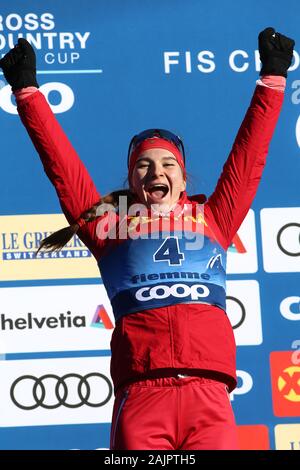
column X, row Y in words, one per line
column 101, row 319
column 237, row 245
column 30, row 321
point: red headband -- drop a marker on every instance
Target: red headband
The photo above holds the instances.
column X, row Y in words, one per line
column 153, row 143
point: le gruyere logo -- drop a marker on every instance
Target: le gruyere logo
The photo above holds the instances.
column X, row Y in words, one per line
column 285, row 384
column 20, row 236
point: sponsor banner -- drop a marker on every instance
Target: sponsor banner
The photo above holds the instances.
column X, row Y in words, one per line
column 243, row 309
column 19, row 240
column 290, row 308
column 253, row 437
column 70, row 437
column 285, row 377
column 287, row 436
column 244, row 385
column 280, row 229
column 55, row 391
column 43, row 31
column 242, row 254
column 54, row 318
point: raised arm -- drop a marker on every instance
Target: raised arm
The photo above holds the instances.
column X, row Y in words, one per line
column 228, row 205
column 73, row 184
column 238, row 183
column 74, row 187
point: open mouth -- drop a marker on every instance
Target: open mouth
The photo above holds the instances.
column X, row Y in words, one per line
column 158, row 190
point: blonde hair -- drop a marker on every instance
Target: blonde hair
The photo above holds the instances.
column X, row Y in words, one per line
column 57, row 240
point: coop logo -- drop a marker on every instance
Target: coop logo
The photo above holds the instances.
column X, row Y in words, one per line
column 161, row 291
column 281, row 239
column 290, row 308
column 101, row 319
column 65, row 93
column 244, row 384
column 285, row 378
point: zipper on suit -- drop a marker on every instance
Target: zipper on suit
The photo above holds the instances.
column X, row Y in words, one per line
column 118, row 417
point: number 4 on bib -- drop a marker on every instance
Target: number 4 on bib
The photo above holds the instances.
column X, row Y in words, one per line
column 169, row 251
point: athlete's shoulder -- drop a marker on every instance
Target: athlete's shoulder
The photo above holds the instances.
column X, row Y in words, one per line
column 198, row 198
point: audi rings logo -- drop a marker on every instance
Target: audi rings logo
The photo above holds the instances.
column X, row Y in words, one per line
column 51, row 391
column 236, row 311
column 289, row 235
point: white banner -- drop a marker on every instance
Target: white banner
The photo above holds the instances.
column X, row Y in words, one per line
column 243, row 309
column 280, row 230
column 55, row 391
column 242, row 258
column 54, row 318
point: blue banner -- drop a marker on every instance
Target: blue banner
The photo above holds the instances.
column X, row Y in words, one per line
column 110, row 70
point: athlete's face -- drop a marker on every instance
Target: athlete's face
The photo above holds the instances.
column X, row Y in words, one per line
column 157, row 179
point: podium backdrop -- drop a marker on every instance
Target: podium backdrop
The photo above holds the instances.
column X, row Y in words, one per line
column 110, row 69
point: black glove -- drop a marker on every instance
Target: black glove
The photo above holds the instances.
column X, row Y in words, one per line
column 276, row 52
column 19, row 66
